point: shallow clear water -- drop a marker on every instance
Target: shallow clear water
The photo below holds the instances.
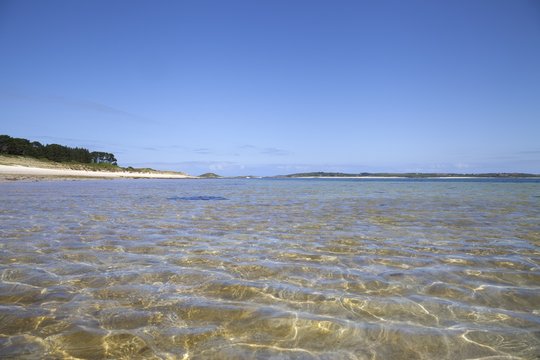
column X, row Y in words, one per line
column 270, row 269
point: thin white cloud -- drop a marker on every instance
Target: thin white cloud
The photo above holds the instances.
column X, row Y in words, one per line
column 247, row 147
column 272, row 151
column 84, row 105
column 203, row 151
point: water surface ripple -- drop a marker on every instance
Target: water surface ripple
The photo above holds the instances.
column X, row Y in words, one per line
column 270, row 269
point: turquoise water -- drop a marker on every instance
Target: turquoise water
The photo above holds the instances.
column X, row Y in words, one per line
column 270, row 269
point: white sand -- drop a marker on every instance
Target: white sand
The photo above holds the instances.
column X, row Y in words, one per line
column 36, row 171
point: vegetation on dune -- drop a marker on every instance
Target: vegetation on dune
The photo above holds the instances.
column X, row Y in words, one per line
column 27, row 161
column 17, row 151
column 54, row 152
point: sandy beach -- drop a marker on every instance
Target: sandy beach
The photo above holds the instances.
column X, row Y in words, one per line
column 19, row 172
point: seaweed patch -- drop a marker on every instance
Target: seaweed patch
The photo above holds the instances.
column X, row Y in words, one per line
column 197, row 198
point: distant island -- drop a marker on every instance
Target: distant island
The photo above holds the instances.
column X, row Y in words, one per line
column 322, row 174
column 210, row 176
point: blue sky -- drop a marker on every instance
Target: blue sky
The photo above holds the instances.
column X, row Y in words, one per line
column 276, row 87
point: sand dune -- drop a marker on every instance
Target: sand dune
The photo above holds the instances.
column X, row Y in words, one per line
column 13, row 171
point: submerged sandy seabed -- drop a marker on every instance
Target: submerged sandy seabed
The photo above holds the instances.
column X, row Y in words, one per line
column 16, row 172
column 229, row 269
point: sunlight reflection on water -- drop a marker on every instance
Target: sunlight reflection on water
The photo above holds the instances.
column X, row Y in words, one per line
column 305, row 269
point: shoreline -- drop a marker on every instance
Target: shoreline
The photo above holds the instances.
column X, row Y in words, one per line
column 381, row 177
column 348, row 177
column 24, row 169
column 411, row 178
column 19, row 172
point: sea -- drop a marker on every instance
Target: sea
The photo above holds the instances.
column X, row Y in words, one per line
column 270, row 269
